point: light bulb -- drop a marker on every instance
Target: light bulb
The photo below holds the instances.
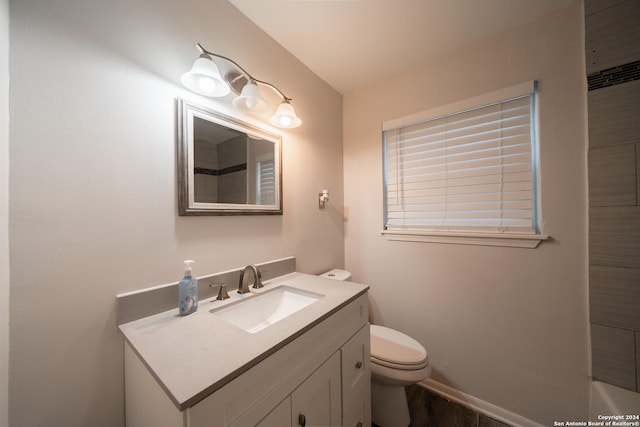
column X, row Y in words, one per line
column 251, row 103
column 204, row 78
column 250, row 100
column 285, row 121
column 285, row 116
column 207, row 84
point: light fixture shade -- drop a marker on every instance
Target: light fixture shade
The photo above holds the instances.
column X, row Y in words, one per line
column 285, row 116
column 204, row 78
column 250, row 100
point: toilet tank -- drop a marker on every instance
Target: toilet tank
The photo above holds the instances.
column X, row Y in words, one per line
column 337, row 274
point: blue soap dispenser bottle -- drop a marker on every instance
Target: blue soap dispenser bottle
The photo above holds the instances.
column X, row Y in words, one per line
column 188, row 291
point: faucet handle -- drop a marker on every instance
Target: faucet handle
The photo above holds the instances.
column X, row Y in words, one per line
column 222, row 293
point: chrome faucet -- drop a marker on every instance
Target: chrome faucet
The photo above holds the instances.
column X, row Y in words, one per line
column 243, row 285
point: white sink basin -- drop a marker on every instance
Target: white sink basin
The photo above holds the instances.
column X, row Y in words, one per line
column 257, row 312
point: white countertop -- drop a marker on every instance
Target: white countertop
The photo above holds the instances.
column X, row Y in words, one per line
column 195, row 355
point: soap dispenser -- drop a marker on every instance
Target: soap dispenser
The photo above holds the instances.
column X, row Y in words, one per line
column 188, row 291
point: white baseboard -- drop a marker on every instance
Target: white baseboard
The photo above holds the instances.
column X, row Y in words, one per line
column 478, row 405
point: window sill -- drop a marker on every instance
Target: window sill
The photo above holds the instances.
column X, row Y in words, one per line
column 530, row 241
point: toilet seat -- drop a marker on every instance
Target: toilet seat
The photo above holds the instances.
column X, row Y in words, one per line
column 395, row 350
column 399, row 366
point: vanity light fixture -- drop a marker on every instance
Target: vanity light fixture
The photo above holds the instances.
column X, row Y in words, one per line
column 204, row 78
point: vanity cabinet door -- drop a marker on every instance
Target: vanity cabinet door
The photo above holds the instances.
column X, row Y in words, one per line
column 279, row 417
column 356, row 379
column 317, row 401
column 359, row 413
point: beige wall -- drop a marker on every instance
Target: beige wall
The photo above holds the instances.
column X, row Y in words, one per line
column 4, row 211
column 93, row 185
column 508, row 326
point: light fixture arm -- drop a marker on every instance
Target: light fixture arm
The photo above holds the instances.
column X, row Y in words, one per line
column 249, row 76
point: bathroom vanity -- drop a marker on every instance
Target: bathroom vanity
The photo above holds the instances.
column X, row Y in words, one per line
column 308, row 367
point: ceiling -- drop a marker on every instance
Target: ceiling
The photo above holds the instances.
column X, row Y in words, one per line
column 353, row 43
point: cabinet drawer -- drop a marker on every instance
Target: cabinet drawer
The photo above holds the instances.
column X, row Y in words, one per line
column 356, row 369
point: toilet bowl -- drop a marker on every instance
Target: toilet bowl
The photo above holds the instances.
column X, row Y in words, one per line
column 397, row 360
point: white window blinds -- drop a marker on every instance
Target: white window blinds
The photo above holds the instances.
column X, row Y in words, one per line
column 266, row 183
column 472, row 170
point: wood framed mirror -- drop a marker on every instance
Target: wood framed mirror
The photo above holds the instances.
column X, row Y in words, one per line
column 226, row 166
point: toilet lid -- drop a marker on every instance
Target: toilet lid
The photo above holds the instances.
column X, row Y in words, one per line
column 396, row 348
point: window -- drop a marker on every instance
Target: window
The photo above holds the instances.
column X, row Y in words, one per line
column 466, row 172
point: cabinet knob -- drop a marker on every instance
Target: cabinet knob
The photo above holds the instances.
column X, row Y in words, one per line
column 359, row 424
column 358, row 364
column 302, row 420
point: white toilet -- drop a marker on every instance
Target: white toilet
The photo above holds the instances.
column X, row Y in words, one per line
column 397, row 360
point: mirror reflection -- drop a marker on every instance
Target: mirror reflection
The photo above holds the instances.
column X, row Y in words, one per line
column 228, row 167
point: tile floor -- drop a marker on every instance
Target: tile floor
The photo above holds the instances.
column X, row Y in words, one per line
column 428, row 409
